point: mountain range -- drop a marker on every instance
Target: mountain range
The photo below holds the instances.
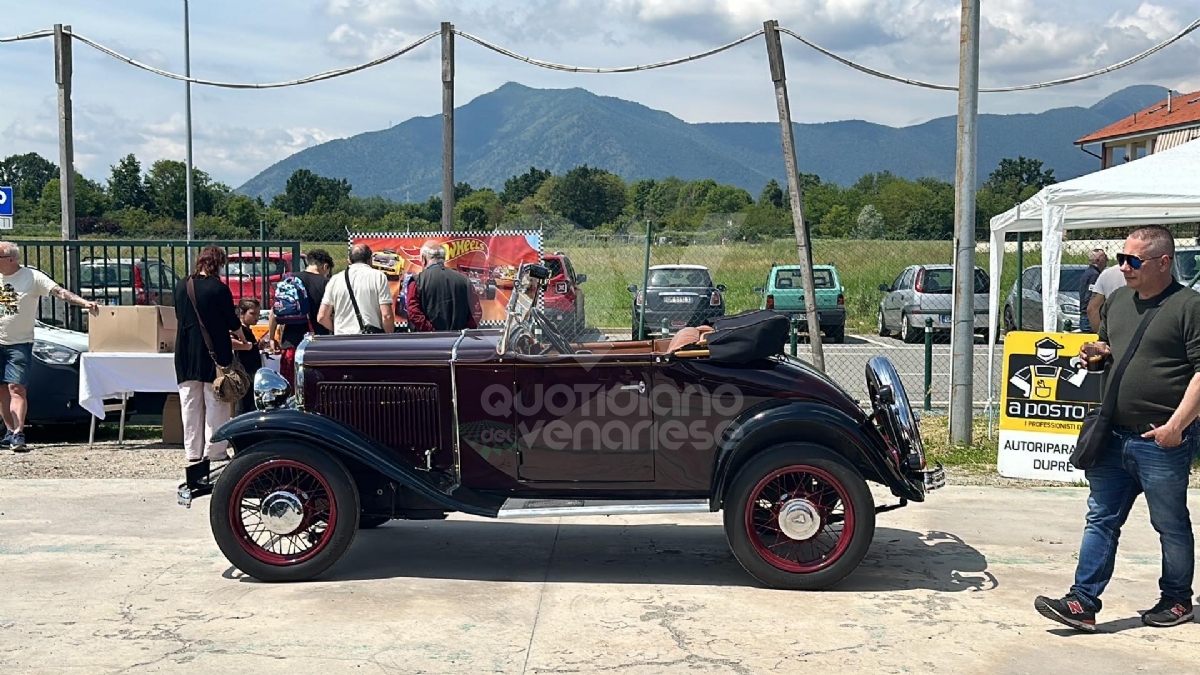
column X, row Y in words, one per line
column 504, row 132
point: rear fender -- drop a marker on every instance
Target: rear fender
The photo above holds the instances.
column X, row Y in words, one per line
column 781, row 421
column 325, row 434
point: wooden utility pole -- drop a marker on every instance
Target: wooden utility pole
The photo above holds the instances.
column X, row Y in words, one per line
column 803, row 246
column 962, row 350
column 447, row 126
column 66, row 155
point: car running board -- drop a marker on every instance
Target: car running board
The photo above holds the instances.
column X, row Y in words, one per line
column 551, row 508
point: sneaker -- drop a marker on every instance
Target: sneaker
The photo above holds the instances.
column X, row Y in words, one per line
column 1168, row 613
column 1069, row 611
column 6, row 442
column 17, row 442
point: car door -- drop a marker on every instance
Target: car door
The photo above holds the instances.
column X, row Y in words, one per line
column 585, row 418
column 895, row 299
column 1031, row 294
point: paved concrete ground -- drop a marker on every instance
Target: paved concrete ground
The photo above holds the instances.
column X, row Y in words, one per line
column 113, row 577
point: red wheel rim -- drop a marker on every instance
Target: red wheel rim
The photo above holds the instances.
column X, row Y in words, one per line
column 830, row 500
column 309, row 489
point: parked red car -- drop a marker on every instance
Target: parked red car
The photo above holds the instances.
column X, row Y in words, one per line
column 563, row 297
column 253, row 274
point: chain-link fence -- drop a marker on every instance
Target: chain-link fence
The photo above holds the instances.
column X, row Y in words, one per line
column 874, row 296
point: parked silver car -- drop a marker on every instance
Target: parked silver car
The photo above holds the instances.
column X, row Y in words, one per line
column 1187, row 265
column 125, row 281
column 1069, row 279
column 927, row 291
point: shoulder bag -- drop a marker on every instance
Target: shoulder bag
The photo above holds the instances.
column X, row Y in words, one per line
column 1097, row 425
column 232, row 382
column 364, row 328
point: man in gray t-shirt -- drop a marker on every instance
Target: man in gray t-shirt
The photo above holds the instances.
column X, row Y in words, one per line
column 1106, row 284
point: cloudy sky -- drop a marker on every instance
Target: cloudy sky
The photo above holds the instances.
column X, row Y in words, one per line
column 119, row 110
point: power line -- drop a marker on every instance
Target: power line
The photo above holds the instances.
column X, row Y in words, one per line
column 623, row 69
column 29, row 36
column 993, row 90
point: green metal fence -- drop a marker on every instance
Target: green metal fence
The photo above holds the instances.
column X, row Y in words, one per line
column 132, row 272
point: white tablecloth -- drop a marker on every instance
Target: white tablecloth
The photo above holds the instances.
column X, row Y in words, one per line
column 109, row 374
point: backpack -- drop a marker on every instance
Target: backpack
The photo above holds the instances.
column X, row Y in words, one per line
column 291, row 304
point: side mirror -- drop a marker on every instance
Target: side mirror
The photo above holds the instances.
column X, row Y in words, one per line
column 759, row 289
column 631, row 288
column 721, row 287
column 580, row 278
column 885, row 288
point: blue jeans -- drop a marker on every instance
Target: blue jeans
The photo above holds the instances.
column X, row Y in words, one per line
column 1129, row 466
column 15, row 362
column 1085, row 324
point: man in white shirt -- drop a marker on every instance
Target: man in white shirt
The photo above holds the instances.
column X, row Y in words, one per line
column 1106, row 284
column 359, row 299
column 20, row 289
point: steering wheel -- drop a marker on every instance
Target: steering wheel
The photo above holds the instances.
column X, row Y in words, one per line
column 556, row 338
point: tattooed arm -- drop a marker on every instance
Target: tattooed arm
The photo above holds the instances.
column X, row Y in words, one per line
column 72, row 299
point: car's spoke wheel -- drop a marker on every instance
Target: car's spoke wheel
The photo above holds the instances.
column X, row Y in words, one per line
column 882, row 325
column 799, row 517
column 284, row 514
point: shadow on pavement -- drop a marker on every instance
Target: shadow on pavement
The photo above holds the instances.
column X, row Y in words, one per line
column 632, row 554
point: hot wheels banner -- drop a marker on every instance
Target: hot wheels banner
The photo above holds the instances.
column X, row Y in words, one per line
column 489, row 259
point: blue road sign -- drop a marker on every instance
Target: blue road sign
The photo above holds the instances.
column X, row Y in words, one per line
column 6, row 201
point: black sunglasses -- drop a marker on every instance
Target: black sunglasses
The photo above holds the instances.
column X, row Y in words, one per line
column 1134, row 262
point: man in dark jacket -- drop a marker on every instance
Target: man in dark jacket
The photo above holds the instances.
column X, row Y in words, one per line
column 1098, row 260
column 441, row 299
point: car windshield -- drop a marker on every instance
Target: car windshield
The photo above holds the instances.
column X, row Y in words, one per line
column 940, row 281
column 554, row 265
column 1069, row 280
column 679, row 277
column 254, row 268
column 791, row 278
column 100, row 274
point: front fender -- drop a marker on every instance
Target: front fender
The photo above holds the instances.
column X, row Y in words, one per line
column 782, row 421
column 326, row 434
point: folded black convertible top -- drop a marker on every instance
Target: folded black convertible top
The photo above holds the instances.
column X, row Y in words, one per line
column 749, row 336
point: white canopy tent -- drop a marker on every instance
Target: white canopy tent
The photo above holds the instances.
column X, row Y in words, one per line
column 1159, row 189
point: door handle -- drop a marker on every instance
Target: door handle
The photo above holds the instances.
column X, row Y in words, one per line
column 640, row 387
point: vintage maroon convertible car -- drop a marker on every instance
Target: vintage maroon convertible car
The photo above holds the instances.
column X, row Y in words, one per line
column 518, row 422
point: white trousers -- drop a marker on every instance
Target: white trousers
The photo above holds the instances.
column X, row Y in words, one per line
column 202, row 415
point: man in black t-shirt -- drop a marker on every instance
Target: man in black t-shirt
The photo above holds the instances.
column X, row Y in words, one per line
column 314, row 278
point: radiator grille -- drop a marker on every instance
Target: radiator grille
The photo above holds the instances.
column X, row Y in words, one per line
column 400, row 416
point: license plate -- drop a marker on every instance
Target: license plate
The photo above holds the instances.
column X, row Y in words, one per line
column 803, row 316
column 676, row 299
column 944, row 318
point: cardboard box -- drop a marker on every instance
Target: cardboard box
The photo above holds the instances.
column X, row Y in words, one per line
column 172, row 421
column 145, row 329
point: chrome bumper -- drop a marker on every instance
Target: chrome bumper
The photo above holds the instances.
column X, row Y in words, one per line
column 934, row 478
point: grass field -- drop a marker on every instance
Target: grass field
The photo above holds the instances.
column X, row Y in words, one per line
column 862, row 266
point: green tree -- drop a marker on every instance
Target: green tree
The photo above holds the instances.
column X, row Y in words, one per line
column 519, row 188
column 28, row 175
column 1014, row 178
column 480, row 211
column 869, row 224
column 90, row 200
column 588, row 196
column 772, row 194
column 166, row 189
column 242, row 212
column 838, row 222
column 726, row 199
column 125, row 186
column 303, row 188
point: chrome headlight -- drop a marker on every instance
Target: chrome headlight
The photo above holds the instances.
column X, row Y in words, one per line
column 270, row 390
column 54, row 354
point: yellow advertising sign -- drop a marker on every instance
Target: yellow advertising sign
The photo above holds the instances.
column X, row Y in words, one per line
column 1046, row 391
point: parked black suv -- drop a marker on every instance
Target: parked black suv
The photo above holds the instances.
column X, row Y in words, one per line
column 677, row 296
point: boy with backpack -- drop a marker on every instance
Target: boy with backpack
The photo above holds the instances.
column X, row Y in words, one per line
column 295, row 305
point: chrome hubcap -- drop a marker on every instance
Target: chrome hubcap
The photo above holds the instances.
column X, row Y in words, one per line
column 799, row 519
column 282, row 512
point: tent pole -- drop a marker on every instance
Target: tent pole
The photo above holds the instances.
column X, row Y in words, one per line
column 1019, row 324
